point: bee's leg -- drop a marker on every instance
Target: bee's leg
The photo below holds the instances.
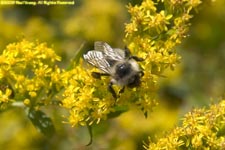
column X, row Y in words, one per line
column 128, row 55
column 98, row 75
column 111, row 90
column 122, row 90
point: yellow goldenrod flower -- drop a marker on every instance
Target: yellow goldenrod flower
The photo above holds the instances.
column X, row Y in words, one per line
column 201, row 129
column 28, row 67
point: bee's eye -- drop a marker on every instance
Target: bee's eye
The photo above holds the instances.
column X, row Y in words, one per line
column 123, row 69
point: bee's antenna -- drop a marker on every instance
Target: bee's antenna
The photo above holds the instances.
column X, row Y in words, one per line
column 127, row 52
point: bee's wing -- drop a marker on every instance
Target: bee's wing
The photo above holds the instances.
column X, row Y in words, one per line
column 97, row 59
column 110, row 53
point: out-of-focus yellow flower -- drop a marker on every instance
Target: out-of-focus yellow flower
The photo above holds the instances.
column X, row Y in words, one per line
column 104, row 20
column 26, row 102
column 4, row 96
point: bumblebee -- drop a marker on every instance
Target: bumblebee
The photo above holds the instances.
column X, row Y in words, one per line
column 119, row 64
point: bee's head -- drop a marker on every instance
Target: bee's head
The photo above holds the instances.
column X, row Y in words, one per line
column 123, row 69
column 135, row 80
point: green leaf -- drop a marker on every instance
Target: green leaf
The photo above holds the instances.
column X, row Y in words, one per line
column 118, row 111
column 77, row 57
column 41, row 121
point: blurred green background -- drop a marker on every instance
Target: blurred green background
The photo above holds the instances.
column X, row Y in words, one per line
column 197, row 81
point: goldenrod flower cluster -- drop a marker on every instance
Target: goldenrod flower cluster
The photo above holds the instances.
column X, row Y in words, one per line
column 153, row 33
column 201, row 129
column 87, row 99
column 27, row 73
